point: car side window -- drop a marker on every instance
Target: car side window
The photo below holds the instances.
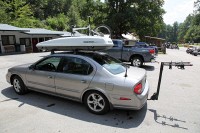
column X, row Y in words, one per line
column 49, row 64
column 73, row 65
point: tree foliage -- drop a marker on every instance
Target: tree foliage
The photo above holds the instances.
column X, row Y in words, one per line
column 142, row 17
column 185, row 32
column 4, row 16
column 59, row 23
column 190, row 27
column 18, row 13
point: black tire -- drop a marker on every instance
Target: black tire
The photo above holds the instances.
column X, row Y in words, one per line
column 136, row 61
column 18, row 85
column 93, row 105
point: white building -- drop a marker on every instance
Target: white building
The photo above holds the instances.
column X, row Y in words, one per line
column 14, row 39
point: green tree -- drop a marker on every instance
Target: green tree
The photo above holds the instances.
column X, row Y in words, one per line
column 43, row 9
column 193, row 34
column 189, row 29
column 59, row 23
column 169, row 35
column 97, row 11
column 196, row 20
column 183, row 28
column 143, row 17
column 120, row 16
column 175, row 32
column 149, row 19
column 19, row 14
column 4, row 15
column 74, row 15
column 197, row 6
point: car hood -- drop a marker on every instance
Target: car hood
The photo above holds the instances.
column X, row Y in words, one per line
column 21, row 67
column 134, row 73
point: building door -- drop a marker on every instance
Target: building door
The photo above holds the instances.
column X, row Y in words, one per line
column 34, row 42
column 27, row 43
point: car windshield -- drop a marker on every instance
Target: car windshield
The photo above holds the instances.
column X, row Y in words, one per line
column 113, row 65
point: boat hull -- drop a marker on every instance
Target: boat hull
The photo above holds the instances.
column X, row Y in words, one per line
column 76, row 43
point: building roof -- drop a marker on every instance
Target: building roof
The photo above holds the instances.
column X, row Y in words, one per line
column 6, row 27
column 39, row 31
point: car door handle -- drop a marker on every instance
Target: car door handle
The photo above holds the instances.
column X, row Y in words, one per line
column 49, row 77
column 83, row 81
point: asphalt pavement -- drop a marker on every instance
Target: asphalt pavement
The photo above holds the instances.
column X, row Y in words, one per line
column 177, row 109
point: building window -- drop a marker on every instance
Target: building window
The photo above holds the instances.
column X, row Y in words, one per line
column 25, row 41
column 41, row 39
column 8, row 40
column 48, row 38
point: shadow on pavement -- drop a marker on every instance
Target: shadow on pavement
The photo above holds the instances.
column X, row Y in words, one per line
column 114, row 118
column 148, row 68
column 167, row 121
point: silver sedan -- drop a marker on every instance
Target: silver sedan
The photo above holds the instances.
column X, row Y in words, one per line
column 93, row 78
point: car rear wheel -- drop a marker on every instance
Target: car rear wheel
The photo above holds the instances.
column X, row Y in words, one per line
column 96, row 102
column 137, row 62
column 19, row 86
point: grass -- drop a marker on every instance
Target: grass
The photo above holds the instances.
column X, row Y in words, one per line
column 187, row 44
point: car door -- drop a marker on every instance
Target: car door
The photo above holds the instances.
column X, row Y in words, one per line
column 74, row 77
column 42, row 75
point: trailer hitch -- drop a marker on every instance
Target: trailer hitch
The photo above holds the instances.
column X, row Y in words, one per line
column 179, row 65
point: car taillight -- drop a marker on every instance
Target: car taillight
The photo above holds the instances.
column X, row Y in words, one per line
column 138, row 88
column 152, row 51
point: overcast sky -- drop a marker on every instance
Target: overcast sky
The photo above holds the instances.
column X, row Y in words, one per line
column 177, row 10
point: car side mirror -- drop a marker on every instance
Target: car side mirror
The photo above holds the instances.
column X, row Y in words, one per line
column 32, row 67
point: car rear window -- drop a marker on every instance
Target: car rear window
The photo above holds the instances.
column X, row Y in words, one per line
column 113, row 65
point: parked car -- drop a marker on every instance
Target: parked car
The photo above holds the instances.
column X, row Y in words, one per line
column 93, row 78
column 172, row 45
column 130, row 53
column 190, row 50
column 196, row 51
column 145, row 45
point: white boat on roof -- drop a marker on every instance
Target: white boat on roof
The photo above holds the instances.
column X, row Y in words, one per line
column 76, row 43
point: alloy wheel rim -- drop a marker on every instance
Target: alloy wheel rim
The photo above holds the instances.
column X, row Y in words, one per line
column 16, row 85
column 95, row 102
column 136, row 62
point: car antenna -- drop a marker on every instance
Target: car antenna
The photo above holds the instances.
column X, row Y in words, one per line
column 126, row 71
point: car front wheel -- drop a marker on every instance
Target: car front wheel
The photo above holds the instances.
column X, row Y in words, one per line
column 18, row 85
column 96, row 102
